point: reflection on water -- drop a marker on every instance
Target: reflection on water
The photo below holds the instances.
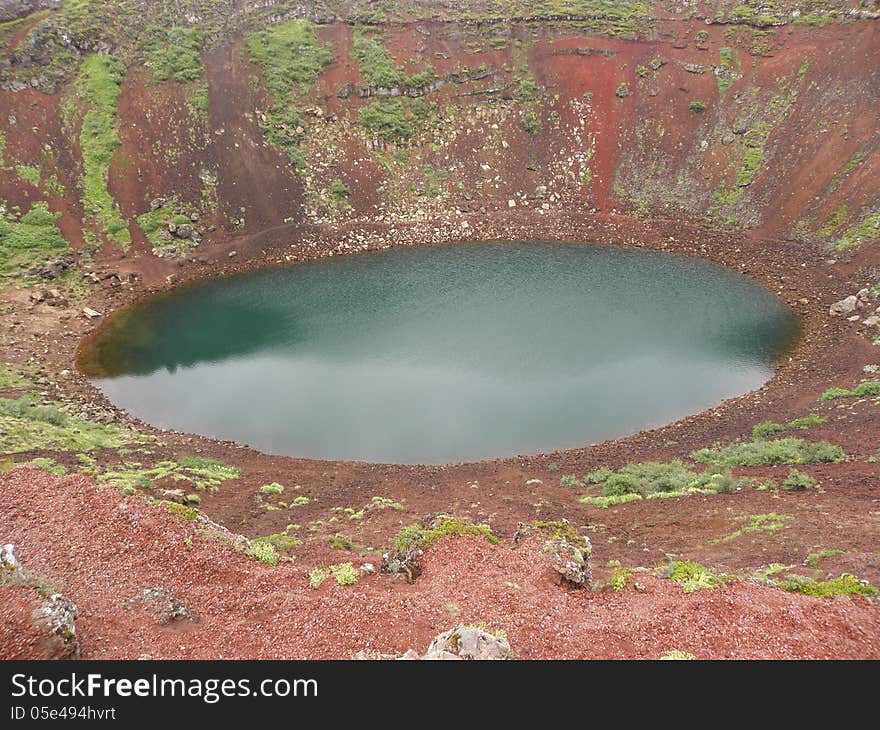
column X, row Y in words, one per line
column 444, row 354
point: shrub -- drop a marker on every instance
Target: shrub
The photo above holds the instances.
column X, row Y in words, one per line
column 866, row 389
column 697, row 107
column 444, row 526
column 345, row 574
column 272, row 489
column 797, row 481
column 693, row 576
column 598, row 476
column 779, row 451
column 807, row 421
column 340, row 191
column 569, row 480
column 606, row 502
column 263, row 551
column 845, row 585
column 765, row 429
column 317, row 576
column 619, row 484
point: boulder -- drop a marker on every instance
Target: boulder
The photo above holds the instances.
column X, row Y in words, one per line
column 174, row 495
column 56, row 619
column 570, row 561
column 468, row 642
column 164, row 606
column 844, row 306
column 183, row 231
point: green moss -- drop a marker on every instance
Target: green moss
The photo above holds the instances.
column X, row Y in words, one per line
column 557, row 530
column 28, row 173
column 654, row 479
column 867, row 230
column 340, row 191
column 845, row 585
column 291, row 59
column 27, row 239
column 173, row 52
column 49, row 466
column 13, row 376
column 25, row 425
column 779, row 451
column 180, row 510
column 395, row 120
column 99, row 84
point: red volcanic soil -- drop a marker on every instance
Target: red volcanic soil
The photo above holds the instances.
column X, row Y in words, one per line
column 106, row 549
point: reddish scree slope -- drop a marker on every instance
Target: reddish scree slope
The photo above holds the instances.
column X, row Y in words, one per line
column 106, row 548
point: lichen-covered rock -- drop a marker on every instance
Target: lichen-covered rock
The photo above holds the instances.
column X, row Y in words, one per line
column 571, row 561
column 165, row 607
column 56, row 619
column 468, row 642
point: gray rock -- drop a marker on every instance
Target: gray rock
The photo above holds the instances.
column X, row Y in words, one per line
column 468, row 642
column 10, row 565
column 183, row 231
column 56, row 618
column 165, row 607
column 844, row 306
column 174, row 495
column 570, row 561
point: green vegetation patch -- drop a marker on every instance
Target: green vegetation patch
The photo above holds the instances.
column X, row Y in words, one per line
column 173, row 53
column 99, row 84
column 652, row 479
column 27, row 239
column 845, row 585
column 770, row 522
column 693, row 576
column 395, row 120
column 417, row 536
column 263, row 551
column 778, row 451
column 27, row 425
column 291, row 59
column 866, row 389
column 200, row 473
column 814, row 558
column 867, row 230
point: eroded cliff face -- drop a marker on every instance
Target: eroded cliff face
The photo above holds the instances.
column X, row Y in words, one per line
column 157, row 132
